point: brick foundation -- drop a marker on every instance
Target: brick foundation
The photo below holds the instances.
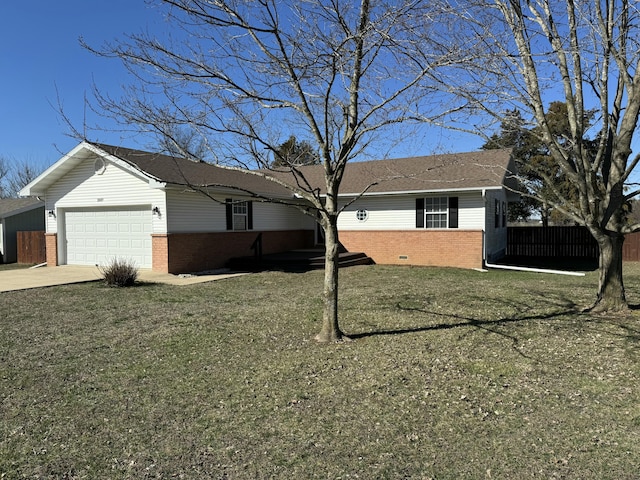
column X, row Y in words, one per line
column 192, row 252
column 447, row 248
column 51, row 246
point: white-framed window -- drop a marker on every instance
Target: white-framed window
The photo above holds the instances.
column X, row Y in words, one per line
column 436, row 211
column 240, row 214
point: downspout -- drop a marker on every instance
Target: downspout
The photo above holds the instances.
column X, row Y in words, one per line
column 532, row 269
column 513, row 267
column 484, row 229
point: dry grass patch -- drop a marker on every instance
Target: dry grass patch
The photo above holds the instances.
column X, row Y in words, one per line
column 454, row 374
column 14, row 266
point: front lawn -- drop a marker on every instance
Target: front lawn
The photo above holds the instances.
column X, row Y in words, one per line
column 14, row 266
column 453, row 374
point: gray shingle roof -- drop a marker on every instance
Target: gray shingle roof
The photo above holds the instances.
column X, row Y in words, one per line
column 457, row 171
column 180, row 171
column 10, row 206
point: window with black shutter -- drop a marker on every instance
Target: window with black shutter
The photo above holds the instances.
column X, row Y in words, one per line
column 437, row 212
column 239, row 215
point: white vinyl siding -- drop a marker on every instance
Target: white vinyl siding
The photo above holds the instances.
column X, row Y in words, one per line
column 190, row 212
column 270, row 216
column 399, row 212
column 115, row 187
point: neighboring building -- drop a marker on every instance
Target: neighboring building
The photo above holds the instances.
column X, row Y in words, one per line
column 18, row 214
column 104, row 202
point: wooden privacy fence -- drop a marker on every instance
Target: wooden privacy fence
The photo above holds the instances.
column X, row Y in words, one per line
column 551, row 242
column 31, row 247
column 631, row 247
column 563, row 242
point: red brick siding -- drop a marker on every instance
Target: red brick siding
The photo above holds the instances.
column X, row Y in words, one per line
column 449, row 248
column 191, row 252
column 51, row 245
column 159, row 253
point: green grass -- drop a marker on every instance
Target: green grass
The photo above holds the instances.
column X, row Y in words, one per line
column 14, row 266
column 453, row 374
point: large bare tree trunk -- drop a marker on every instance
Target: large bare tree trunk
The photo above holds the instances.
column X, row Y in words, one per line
column 611, row 295
column 330, row 327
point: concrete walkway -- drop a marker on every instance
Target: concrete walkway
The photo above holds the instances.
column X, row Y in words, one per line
column 26, row 278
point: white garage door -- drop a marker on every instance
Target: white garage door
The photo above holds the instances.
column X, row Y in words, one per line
column 95, row 237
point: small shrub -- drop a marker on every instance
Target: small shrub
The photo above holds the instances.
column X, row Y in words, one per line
column 119, row 272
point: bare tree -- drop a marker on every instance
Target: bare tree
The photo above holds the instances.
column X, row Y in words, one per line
column 4, row 171
column 242, row 73
column 15, row 174
column 585, row 54
column 21, row 173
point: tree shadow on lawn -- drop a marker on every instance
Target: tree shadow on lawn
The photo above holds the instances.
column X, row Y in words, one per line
column 629, row 325
column 524, row 314
column 468, row 322
column 489, row 325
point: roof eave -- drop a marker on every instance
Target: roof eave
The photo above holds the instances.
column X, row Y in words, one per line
column 39, row 185
column 224, row 190
column 419, row 192
column 20, row 210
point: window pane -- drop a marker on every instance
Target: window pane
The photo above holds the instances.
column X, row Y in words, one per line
column 437, row 220
column 239, row 222
column 436, row 204
column 240, row 208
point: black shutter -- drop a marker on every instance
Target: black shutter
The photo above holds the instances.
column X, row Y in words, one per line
column 504, row 214
column 229, row 206
column 453, row 212
column 419, row 212
column 249, row 215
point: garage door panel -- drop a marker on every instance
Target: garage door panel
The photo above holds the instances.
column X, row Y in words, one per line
column 97, row 236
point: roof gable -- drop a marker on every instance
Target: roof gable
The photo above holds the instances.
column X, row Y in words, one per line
column 157, row 169
column 81, row 153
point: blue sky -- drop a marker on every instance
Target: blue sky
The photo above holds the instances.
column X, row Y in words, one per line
column 40, row 53
column 41, row 59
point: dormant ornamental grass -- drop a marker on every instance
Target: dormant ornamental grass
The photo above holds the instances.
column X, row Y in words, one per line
column 452, row 374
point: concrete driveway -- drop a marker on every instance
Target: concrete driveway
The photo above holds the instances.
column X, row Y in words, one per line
column 26, row 278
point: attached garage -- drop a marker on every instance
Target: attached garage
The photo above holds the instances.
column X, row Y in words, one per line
column 96, row 236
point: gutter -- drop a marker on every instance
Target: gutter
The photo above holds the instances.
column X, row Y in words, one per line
column 532, row 269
